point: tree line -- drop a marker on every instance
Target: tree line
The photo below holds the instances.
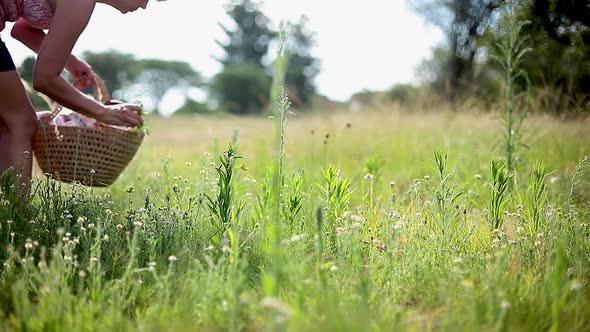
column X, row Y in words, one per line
column 463, row 70
column 460, row 71
column 241, row 87
column 556, row 69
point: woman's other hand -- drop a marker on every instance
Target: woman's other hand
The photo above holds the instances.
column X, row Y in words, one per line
column 126, row 115
column 81, row 72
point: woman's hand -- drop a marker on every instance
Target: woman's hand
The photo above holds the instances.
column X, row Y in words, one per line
column 80, row 71
column 126, row 115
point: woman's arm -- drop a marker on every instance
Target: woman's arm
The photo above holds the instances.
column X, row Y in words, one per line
column 53, row 55
column 28, row 35
column 33, row 38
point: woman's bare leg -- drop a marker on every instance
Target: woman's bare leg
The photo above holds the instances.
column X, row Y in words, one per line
column 18, row 124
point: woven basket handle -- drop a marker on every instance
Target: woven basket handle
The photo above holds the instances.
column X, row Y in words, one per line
column 100, row 93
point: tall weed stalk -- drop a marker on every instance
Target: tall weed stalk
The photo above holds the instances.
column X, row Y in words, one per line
column 446, row 195
column 221, row 206
column 510, row 52
column 282, row 104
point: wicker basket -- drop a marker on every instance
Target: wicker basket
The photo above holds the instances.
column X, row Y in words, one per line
column 91, row 156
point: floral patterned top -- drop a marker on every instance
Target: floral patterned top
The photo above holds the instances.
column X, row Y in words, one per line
column 38, row 13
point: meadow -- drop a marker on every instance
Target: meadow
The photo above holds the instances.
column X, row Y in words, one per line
column 380, row 220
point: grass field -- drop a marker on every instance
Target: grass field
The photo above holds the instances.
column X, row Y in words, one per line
column 371, row 221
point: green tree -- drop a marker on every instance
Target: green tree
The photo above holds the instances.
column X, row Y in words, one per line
column 25, row 71
column 302, row 66
column 27, row 68
column 242, row 89
column 249, row 40
column 559, row 66
column 158, row 77
column 243, row 85
column 192, row 107
column 117, row 69
column 464, row 22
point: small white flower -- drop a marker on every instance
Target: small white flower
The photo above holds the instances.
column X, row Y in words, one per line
column 357, row 219
column 355, row 225
column 297, row 238
column 576, row 285
column 172, row 259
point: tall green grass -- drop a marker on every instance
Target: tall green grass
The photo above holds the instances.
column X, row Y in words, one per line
column 181, row 242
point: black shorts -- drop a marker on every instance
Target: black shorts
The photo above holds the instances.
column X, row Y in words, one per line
column 6, row 63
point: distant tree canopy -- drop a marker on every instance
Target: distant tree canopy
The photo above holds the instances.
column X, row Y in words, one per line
column 558, row 32
column 464, row 22
column 192, row 107
column 243, row 89
column 116, row 69
column 127, row 77
column 245, row 66
column 160, row 76
column 26, row 70
column 244, row 84
column 249, row 40
column 150, row 77
column 302, row 66
column 559, row 66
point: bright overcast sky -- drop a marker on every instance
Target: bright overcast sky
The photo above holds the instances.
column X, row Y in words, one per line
column 368, row 44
